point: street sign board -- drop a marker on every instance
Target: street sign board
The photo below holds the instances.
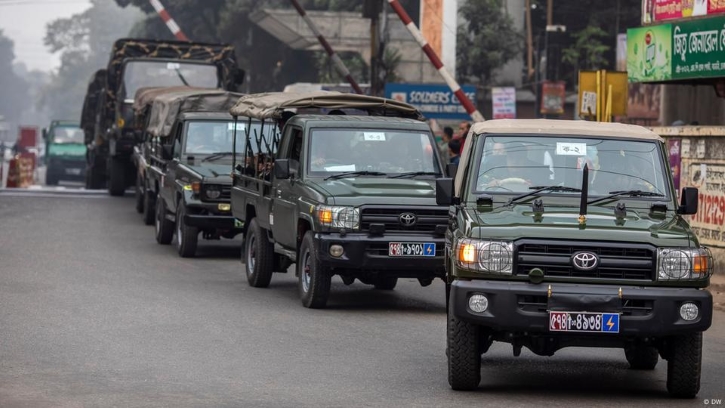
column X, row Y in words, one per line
column 435, row 101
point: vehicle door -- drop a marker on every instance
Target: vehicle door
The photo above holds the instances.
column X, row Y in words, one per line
column 172, row 166
column 284, row 206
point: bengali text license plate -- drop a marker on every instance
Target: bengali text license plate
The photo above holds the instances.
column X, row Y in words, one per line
column 411, row 249
column 584, row 322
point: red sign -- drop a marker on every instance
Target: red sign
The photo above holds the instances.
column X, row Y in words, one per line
column 553, row 95
column 654, row 11
column 28, row 137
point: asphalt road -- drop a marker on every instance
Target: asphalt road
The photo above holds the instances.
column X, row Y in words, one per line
column 94, row 313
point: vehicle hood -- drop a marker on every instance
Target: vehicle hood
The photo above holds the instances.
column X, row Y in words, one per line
column 519, row 221
column 376, row 190
column 211, row 172
column 66, row 149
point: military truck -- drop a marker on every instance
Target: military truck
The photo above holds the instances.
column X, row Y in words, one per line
column 137, row 63
column 568, row 233
column 65, row 152
column 188, row 140
column 338, row 194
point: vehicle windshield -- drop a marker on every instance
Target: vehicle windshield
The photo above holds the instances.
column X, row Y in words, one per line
column 517, row 163
column 373, row 150
column 139, row 74
column 206, row 137
column 68, row 135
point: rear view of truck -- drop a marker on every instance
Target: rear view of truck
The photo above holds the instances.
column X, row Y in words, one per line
column 134, row 64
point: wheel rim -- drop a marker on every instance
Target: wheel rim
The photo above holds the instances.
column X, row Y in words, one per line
column 306, row 275
column 251, row 254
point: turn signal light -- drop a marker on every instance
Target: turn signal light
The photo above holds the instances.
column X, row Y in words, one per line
column 120, row 123
column 225, row 207
column 196, row 187
column 467, row 253
column 325, row 216
column 699, row 265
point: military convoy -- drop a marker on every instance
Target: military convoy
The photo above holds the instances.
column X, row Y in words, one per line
column 548, row 234
column 134, row 64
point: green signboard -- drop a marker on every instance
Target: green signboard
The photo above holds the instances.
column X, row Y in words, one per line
column 684, row 50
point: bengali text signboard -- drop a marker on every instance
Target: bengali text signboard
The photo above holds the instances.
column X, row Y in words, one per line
column 654, row 11
column 504, row 103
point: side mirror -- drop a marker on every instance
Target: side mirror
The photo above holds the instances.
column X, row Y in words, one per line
column 282, row 169
column 167, row 152
column 444, row 191
column 689, row 201
column 451, row 170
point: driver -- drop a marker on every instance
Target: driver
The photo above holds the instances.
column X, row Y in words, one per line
column 515, row 167
column 196, row 140
column 624, row 172
column 329, row 150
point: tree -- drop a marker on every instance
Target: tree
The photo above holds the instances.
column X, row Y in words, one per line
column 14, row 97
column 84, row 41
column 486, row 42
column 588, row 51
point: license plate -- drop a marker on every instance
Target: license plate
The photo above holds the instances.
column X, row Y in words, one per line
column 73, row 172
column 411, row 249
column 584, row 322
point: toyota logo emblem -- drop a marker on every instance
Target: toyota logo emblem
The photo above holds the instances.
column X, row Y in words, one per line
column 408, row 219
column 585, row 261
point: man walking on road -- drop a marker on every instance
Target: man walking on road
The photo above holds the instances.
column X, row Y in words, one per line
column 443, row 145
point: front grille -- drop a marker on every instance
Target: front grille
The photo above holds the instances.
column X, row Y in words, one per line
column 427, row 218
column 226, row 193
column 616, row 260
column 381, row 249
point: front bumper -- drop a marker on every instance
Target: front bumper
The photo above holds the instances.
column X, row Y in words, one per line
column 524, row 307
column 67, row 169
column 365, row 253
column 208, row 216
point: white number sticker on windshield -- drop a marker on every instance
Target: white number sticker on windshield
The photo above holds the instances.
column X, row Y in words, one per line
column 374, row 136
column 571, row 149
column 240, row 126
column 173, row 65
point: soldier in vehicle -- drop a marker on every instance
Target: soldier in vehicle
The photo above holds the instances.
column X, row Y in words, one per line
column 514, row 167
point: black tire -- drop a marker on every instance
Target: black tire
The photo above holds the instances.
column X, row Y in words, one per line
column 385, row 282
column 140, row 193
column 186, row 237
column 51, row 178
column 684, row 365
column 164, row 227
column 314, row 278
column 149, row 208
column 642, row 357
column 259, row 256
column 464, row 355
column 116, row 177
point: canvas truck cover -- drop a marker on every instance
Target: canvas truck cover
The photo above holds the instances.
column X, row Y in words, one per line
column 578, row 128
column 271, row 105
column 221, row 55
column 163, row 105
column 91, row 103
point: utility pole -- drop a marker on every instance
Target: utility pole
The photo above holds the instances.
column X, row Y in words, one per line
column 372, row 10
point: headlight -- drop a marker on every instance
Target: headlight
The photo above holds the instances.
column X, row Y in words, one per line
column 485, row 256
column 212, row 192
column 338, row 217
column 684, row 263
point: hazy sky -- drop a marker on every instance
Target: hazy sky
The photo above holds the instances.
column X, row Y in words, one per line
column 24, row 22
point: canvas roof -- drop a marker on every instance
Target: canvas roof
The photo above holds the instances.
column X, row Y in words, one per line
column 578, row 128
column 271, row 105
column 162, row 105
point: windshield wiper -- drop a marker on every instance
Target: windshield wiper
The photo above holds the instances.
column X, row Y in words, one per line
column 415, row 173
column 539, row 189
column 356, row 173
column 181, row 77
column 217, row 156
column 633, row 193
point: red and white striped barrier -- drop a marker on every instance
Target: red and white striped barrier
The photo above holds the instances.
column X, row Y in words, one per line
column 341, row 68
column 175, row 29
column 433, row 57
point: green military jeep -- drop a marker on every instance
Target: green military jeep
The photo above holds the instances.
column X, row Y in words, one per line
column 338, row 194
column 568, row 233
column 183, row 167
column 65, row 153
